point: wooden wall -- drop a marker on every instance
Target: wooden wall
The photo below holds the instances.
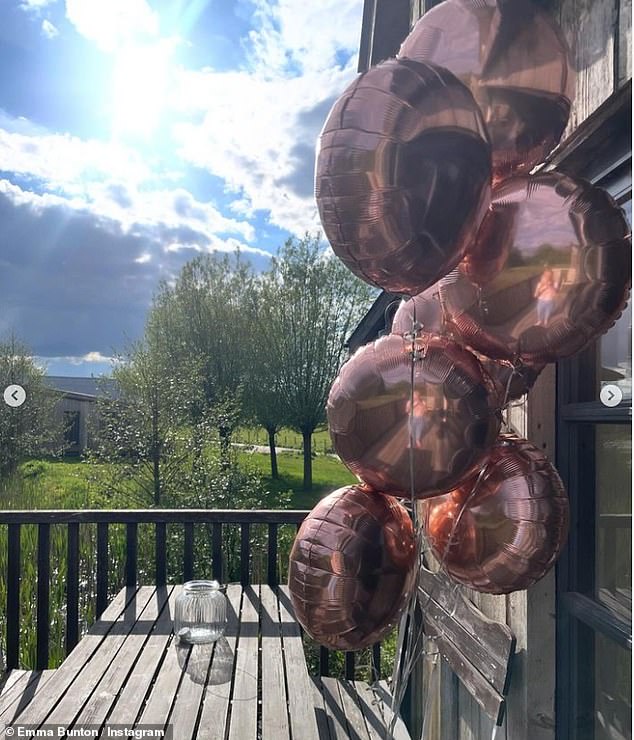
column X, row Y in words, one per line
column 599, row 31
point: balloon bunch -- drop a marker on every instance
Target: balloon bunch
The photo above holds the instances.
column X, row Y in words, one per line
column 424, row 188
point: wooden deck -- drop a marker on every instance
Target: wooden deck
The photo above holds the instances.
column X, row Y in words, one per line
column 129, row 671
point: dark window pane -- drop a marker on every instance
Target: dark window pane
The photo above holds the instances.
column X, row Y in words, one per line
column 616, row 347
column 613, row 691
column 613, row 465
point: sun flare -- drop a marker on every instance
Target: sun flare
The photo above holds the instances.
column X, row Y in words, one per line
column 140, row 88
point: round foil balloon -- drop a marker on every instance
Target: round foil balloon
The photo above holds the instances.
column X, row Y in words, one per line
column 516, row 63
column 564, row 277
column 402, row 148
column 513, row 381
column 352, row 568
column 452, row 409
column 510, row 532
column 423, row 309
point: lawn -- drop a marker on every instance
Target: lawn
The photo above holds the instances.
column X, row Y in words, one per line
column 328, row 474
column 321, row 441
column 66, row 484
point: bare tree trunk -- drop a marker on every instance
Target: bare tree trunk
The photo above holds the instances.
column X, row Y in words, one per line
column 225, row 444
column 308, row 460
column 273, row 453
column 157, row 479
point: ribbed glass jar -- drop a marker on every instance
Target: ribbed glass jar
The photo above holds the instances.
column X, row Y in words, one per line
column 200, row 612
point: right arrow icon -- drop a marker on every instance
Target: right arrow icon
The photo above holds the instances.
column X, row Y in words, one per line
column 611, row 395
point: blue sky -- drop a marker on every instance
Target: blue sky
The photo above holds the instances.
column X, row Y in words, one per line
column 135, row 134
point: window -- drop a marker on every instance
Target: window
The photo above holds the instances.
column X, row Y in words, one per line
column 594, row 456
column 71, row 428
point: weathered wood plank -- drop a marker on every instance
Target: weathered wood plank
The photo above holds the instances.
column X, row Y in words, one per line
column 373, row 711
column 213, row 717
column 244, row 700
column 72, row 702
column 17, row 694
column 140, row 679
column 487, row 645
column 448, row 701
column 338, row 724
column 357, row 729
column 303, row 721
column 274, row 710
column 478, row 686
column 196, row 660
column 108, row 687
column 589, row 26
column 382, row 694
column 120, row 612
column 323, row 720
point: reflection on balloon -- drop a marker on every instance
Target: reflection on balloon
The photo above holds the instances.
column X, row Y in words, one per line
column 424, row 309
column 352, row 568
column 513, row 381
column 564, row 277
column 402, row 147
column 454, row 415
column 510, row 532
column 515, row 61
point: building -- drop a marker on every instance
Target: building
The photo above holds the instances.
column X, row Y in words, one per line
column 571, row 672
column 76, row 407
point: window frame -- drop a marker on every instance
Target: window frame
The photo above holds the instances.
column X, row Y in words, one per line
column 601, row 153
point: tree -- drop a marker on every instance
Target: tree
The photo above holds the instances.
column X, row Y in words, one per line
column 308, row 305
column 205, row 315
column 143, row 433
column 32, row 429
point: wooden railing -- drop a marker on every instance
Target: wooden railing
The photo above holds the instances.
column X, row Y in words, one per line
column 216, row 519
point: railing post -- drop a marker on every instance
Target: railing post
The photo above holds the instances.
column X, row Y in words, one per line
column 350, row 666
column 216, row 553
column 72, row 587
column 43, row 578
column 188, row 551
column 245, row 552
column 376, row 661
column 160, row 542
column 131, row 554
column 13, row 597
column 272, row 556
column 102, row 568
column 324, row 663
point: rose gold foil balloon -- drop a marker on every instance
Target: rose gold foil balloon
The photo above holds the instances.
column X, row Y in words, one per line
column 423, row 309
column 403, row 175
column 352, row 568
column 564, row 279
column 511, row 531
column 454, row 416
column 513, row 381
column 515, row 61
column 425, row 312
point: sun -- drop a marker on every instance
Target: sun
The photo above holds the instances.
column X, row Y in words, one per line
column 141, row 80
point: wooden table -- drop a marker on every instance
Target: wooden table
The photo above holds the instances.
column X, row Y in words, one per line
column 130, row 672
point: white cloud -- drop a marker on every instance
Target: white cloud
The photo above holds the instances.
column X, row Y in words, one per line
column 49, row 30
column 35, row 5
column 109, row 180
column 257, row 127
column 91, row 357
column 112, row 23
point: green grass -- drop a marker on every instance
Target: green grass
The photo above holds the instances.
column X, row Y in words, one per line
column 321, row 441
column 328, row 474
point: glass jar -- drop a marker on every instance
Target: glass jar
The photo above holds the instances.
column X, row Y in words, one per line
column 200, row 612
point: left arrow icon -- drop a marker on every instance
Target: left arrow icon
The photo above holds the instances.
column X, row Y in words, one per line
column 14, row 395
